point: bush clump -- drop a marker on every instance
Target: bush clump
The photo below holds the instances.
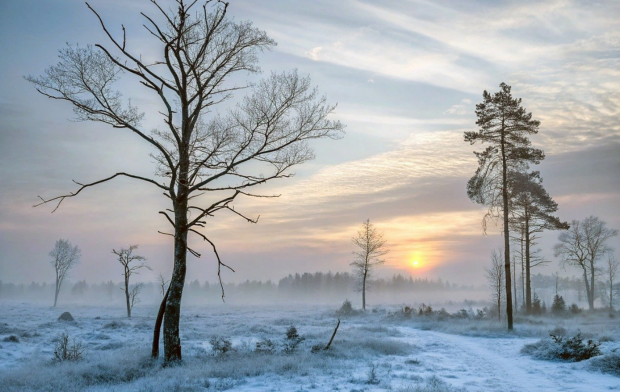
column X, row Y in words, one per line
column 558, row 306
column 609, row 363
column 220, row 345
column 265, row 346
column 346, row 309
column 66, row 351
column 292, row 339
column 572, row 349
column 574, row 309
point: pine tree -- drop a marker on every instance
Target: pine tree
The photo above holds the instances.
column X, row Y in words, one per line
column 504, row 125
column 532, row 212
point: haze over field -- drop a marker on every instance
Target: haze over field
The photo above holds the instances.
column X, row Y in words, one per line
column 406, row 76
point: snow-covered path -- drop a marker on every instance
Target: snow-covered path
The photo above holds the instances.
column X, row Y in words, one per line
column 495, row 364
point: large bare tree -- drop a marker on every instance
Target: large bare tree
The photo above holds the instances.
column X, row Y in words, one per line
column 505, row 126
column 371, row 246
column 583, row 246
column 199, row 151
column 131, row 263
column 64, row 257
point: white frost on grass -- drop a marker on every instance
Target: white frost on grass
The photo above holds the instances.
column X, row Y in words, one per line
column 371, row 352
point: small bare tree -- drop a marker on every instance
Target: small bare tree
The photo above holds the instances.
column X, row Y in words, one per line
column 129, row 262
column 371, row 247
column 583, row 246
column 495, row 277
column 163, row 284
column 64, row 257
column 611, row 271
column 133, row 295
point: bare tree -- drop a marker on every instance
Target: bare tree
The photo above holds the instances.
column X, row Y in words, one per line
column 198, row 151
column 64, row 257
column 610, row 273
column 505, row 125
column 371, row 247
column 495, row 278
column 135, row 291
column 583, row 246
column 163, row 284
column 130, row 261
column 532, row 212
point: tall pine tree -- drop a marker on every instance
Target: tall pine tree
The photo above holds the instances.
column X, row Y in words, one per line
column 532, row 212
column 505, row 125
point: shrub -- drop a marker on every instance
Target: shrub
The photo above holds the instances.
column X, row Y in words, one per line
column 65, row 351
column 609, row 363
column 536, row 305
column 372, row 376
column 558, row 306
column 220, row 345
column 571, row 349
column 574, row 309
column 292, row 339
column 11, row 339
column 425, row 310
column 265, row 346
column 346, row 309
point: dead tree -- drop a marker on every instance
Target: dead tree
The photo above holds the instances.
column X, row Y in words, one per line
column 163, row 284
column 64, row 257
column 583, row 246
column 205, row 159
column 370, row 248
column 129, row 262
column 495, row 278
column 135, row 291
column 611, row 272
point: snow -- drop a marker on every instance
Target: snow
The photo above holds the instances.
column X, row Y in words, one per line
column 404, row 353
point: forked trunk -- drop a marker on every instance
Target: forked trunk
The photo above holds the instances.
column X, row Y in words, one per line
column 157, row 329
column 172, row 314
column 588, row 290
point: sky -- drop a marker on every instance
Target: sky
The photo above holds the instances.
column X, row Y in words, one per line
column 406, row 76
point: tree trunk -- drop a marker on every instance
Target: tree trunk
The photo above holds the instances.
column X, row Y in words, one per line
column 158, row 321
column 364, row 292
column 57, row 289
column 127, row 294
column 506, row 236
column 172, row 314
column 514, row 285
column 589, row 293
column 528, row 266
column 592, row 296
column 523, row 299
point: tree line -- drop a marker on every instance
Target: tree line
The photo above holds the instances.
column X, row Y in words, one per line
column 298, row 286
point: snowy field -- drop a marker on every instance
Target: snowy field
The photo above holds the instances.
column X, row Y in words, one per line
column 377, row 351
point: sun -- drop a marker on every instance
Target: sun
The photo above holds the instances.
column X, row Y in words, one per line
column 416, row 263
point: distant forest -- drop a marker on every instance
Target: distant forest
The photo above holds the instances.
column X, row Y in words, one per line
column 309, row 287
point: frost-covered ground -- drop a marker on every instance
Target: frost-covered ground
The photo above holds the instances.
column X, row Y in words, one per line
column 372, row 352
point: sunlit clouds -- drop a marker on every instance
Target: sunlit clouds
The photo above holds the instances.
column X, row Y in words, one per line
column 406, row 76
